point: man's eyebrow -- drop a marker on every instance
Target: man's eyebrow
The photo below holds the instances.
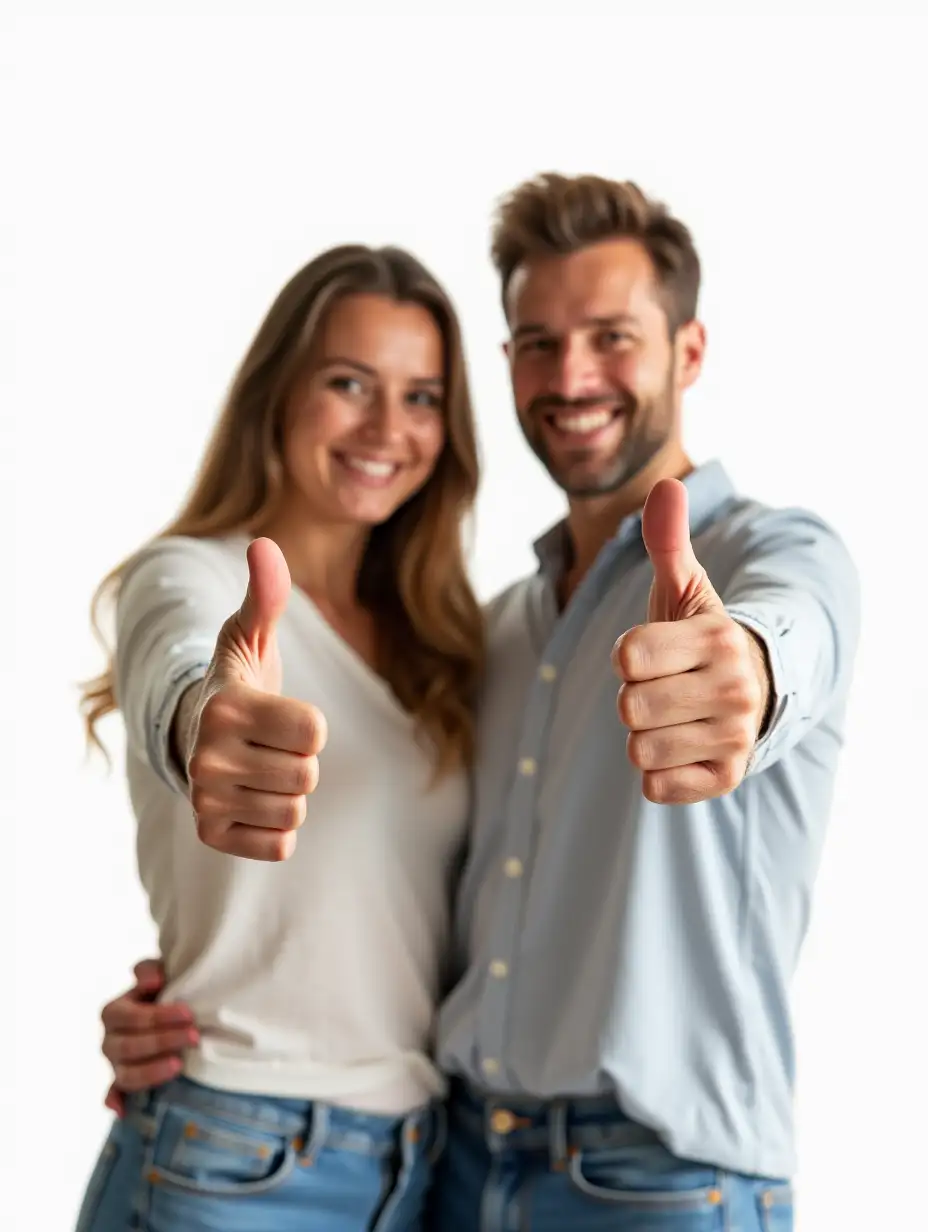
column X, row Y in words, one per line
column 532, row 328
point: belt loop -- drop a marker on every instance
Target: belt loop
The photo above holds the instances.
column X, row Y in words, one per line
column 557, row 1135
column 318, row 1131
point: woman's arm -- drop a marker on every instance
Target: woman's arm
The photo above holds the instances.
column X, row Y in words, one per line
column 172, row 603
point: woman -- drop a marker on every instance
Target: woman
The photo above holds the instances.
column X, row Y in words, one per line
column 308, row 1098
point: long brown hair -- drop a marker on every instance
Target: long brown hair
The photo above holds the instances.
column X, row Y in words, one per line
column 413, row 574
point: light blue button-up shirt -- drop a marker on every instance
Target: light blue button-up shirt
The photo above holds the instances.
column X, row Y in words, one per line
column 613, row 944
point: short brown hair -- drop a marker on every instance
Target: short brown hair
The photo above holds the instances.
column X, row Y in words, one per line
column 561, row 214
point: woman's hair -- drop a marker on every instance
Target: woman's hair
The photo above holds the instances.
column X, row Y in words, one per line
column 413, row 575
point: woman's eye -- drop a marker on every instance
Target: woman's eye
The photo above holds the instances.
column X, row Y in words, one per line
column 423, row 398
column 346, row 384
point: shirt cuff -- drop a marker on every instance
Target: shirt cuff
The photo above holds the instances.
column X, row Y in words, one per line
column 159, row 737
column 779, row 688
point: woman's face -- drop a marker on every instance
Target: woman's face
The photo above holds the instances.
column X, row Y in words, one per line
column 365, row 424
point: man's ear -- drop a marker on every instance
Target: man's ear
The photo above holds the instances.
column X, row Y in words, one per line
column 690, row 347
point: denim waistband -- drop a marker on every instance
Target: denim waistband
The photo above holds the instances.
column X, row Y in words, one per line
column 557, row 1126
column 312, row 1124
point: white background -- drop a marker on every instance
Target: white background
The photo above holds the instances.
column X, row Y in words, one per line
column 167, row 175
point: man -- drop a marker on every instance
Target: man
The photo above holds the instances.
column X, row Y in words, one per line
column 638, row 884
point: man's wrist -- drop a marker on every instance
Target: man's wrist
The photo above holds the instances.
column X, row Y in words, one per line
column 761, row 663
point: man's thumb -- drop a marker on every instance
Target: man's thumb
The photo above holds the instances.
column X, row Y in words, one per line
column 681, row 587
column 267, row 594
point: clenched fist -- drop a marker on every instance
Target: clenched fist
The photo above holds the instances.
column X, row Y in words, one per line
column 695, row 685
column 253, row 755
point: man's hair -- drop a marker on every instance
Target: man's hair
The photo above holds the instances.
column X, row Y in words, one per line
column 559, row 214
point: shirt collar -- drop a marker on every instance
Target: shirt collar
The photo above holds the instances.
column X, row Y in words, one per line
column 708, row 487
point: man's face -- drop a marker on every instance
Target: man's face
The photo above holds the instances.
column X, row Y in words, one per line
column 596, row 377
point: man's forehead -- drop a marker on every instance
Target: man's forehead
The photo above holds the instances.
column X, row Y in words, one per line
column 613, row 278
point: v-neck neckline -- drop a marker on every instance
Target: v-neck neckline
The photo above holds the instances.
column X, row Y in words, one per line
column 353, row 660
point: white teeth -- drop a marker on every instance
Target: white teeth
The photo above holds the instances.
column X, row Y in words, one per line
column 583, row 421
column 367, row 466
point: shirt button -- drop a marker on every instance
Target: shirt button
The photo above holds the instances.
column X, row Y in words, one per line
column 513, row 867
column 498, row 969
column 490, row 1065
column 528, row 766
column 547, row 672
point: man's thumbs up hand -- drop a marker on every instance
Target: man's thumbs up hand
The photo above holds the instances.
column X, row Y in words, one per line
column 695, row 685
column 681, row 587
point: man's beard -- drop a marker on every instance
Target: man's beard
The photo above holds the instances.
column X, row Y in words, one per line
column 648, row 428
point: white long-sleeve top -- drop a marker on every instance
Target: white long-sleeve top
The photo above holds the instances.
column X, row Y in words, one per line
column 316, row 977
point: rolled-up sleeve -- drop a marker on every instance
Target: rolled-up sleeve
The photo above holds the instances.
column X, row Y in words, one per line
column 172, row 602
column 797, row 589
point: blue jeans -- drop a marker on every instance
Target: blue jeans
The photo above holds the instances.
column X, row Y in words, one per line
column 188, row 1158
column 582, row 1166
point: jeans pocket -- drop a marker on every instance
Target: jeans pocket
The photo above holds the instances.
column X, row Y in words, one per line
column 775, row 1205
column 205, row 1154
column 96, row 1186
column 648, row 1179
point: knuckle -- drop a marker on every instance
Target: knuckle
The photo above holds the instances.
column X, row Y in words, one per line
column 656, row 788
column 279, row 847
column 631, row 655
column 631, row 706
column 303, row 776
column 311, row 730
column 312, row 780
column 725, row 638
column 211, row 834
column 729, row 776
column 641, row 751
column 199, row 767
column 295, row 813
column 320, row 729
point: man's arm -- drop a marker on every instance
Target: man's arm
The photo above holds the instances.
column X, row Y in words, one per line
column 796, row 590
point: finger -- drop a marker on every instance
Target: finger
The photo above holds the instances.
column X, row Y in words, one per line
column 691, row 784
column 131, row 1048
column 285, row 724
column 668, row 702
column 239, row 712
column 130, row 1078
column 149, row 975
column 115, row 1101
column 665, row 648
column 681, row 588
column 267, row 594
column 254, row 810
column 668, row 648
column 666, row 748
column 238, row 764
column 253, row 843
column 127, row 1013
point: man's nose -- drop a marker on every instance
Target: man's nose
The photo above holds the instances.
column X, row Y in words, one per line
column 576, row 371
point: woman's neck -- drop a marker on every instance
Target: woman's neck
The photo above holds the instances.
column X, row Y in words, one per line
column 324, row 559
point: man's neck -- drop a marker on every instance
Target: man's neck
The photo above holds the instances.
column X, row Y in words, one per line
column 593, row 520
